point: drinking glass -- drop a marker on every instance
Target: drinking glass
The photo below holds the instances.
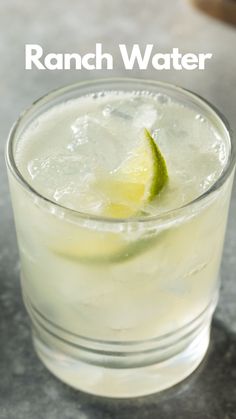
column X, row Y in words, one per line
column 120, row 307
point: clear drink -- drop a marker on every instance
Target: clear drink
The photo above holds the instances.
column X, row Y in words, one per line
column 120, row 307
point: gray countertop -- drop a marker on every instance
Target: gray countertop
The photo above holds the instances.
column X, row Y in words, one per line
column 27, row 389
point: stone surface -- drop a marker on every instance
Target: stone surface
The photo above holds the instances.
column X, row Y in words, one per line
column 27, row 389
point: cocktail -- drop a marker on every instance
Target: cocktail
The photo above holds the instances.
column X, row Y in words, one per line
column 120, row 190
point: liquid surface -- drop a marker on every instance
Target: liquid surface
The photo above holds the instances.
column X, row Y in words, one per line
column 64, row 152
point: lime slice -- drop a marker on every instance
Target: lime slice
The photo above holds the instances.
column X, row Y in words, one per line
column 85, row 245
column 92, row 248
column 137, row 181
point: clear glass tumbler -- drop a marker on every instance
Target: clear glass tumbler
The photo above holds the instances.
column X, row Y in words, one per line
column 120, row 326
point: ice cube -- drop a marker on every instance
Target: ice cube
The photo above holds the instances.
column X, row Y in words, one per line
column 93, row 138
column 79, row 132
column 145, row 116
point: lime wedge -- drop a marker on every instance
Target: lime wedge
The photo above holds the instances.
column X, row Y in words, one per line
column 99, row 249
column 85, row 245
column 137, row 181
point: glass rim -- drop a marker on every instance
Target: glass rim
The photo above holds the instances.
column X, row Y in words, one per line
column 12, row 166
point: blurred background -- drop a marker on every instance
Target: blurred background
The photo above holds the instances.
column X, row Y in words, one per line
column 27, row 390
column 76, row 26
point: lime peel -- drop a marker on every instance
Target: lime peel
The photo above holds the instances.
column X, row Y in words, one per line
column 160, row 175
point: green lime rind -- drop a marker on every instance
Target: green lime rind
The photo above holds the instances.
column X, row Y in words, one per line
column 160, row 172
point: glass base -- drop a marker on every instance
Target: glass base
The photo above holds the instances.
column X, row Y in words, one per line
column 121, row 369
column 125, row 382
